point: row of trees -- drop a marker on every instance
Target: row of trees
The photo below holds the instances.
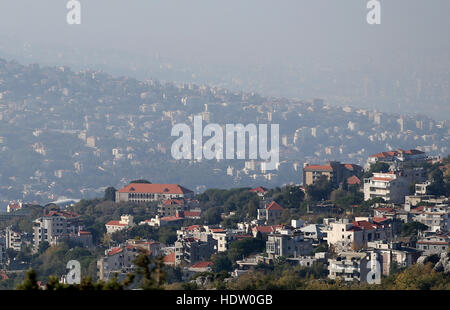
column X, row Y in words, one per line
column 149, row 275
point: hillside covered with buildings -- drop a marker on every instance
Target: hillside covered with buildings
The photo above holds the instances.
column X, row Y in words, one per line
column 383, row 226
column 66, row 134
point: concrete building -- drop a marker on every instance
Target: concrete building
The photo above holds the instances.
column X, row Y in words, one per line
column 391, row 254
column 346, row 235
column 271, row 213
column 350, row 266
column 396, row 158
column 54, row 226
column 421, row 188
column 288, row 245
column 391, row 186
column 313, row 231
column 125, row 222
column 433, row 244
column 334, row 171
column 435, row 217
column 190, row 250
column 13, row 239
column 120, row 259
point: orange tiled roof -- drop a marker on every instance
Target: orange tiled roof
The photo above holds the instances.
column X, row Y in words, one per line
column 274, row 206
column 318, row 167
column 170, row 258
column 168, row 202
column 353, row 180
column 202, row 264
column 259, row 189
column 114, row 251
column 382, row 179
column 154, row 188
column 192, row 213
column 115, row 223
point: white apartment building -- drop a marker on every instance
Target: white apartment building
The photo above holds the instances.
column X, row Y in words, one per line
column 288, row 245
column 349, row 266
column 120, row 259
column 392, row 187
column 345, row 234
column 125, row 222
column 53, row 226
column 13, row 239
column 390, row 254
column 433, row 244
column 435, row 217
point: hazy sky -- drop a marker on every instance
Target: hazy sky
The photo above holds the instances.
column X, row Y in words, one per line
column 233, row 32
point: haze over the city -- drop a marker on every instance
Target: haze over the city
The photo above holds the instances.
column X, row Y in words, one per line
column 289, row 48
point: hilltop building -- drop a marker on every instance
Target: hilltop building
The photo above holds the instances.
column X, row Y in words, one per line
column 144, row 192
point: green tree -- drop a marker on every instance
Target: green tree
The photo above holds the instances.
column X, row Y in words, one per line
column 141, row 181
column 30, row 282
column 212, row 216
column 320, row 190
column 43, row 246
column 110, row 194
column 411, row 229
column 151, row 271
column 221, row 263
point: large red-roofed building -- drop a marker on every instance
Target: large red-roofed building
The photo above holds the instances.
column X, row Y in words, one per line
column 145, row 192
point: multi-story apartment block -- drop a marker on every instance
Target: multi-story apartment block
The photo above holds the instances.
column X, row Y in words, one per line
column 54, row 226
column 334, row 171
column 120, row 259
column 144, row 192
column 435, row 217
column 391, row 253
column 170, row 207
column 391, row 186
column 433, row 244
column 345, row 234
column 396, row 158
column 288, row 244
column 412, row 201
column 421, row 188
column 191, row 250
column 13, row 239
column 350, row 266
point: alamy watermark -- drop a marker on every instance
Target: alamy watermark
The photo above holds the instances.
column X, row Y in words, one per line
column 214, row 147
column 374, row 14
column 74, row 15
column 374, row 271
column 74, row 274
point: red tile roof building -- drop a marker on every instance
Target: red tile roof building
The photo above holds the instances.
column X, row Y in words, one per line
column 334, row 171
column 261, row 191
column 271, row 213
column 397, row 156
column 143, row 192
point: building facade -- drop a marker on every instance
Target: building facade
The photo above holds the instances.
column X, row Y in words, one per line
column 143, row 192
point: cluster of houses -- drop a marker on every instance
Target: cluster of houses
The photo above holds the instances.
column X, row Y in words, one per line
column 350, row 247
column 53, row 227
column 355, row 246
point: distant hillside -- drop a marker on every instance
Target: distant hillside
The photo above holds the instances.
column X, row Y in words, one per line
column 65, row 133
